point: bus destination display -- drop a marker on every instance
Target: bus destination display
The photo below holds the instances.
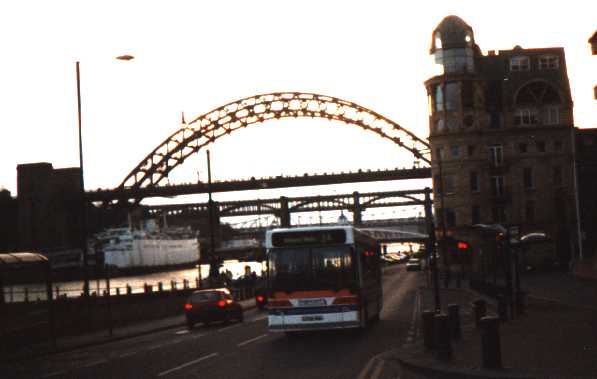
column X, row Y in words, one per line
column 314, row 237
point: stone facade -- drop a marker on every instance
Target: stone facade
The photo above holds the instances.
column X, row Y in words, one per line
column 501, row 133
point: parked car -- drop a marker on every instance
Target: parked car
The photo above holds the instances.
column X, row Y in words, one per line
column 212, row 305
column 413, row 264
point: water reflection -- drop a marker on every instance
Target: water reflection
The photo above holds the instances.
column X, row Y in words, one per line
column 75, row 288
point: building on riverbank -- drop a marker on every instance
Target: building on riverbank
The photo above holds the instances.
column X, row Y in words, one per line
column 501, row 129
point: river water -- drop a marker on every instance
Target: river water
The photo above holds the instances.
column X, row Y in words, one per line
column 36, row 291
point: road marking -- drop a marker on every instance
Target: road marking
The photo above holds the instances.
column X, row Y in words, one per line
column 377, row 370
column 251, row 340
column 363, row 373
column 263, row 317
column 94, row 363
column 184, row 331
column 127, row 354
column 195, row 336
column 229, row 327
column 188, row 364
column 55, row 373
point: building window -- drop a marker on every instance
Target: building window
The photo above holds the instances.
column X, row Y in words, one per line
column 450, row 218
column 549, row 62
column 453, row 96
column 529, row 211
column 455, row 151
column 498, row 214
column 474, row 181
column 557, row 176
column 527, row 178
column 519, row 64
column 439, row 153
column 496, row 156
column 448, row 184
column 467, row 94
column 439, row 98
column 496, row 183
column 525, row 116
column 495, row 120
column 557, row 145
column 439, row 125
column 552, row 115
column 475, row 215
column 541, row 146
column 522, row 147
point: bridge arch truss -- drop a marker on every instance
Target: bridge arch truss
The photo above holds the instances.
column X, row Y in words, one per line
column 207, row 128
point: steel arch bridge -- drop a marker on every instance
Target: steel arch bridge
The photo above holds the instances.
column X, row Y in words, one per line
column 207, row 128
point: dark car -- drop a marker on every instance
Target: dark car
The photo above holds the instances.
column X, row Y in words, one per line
column 413, row 264
column 212, row 305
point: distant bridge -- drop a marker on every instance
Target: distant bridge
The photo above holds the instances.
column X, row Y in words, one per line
column 282, row 207
column 249, row 242
column 126, row 193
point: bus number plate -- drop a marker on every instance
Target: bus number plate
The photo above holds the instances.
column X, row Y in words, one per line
column 312, row 318
column 312, row 302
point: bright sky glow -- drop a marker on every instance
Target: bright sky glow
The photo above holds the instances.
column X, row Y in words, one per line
column 194, row 56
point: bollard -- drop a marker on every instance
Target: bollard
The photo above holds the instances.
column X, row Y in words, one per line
column 172, row 285
column 441, row 329
column 479, row 310
column 26, row 295
column 160, row 286
column 521, row 300
column 502, row 306
column 490, row 342
column 428, row 335
column 57, row 292
column 454, row 321
column 117, row 291
column 129, row 289
column 197, row 283
column 185, row 284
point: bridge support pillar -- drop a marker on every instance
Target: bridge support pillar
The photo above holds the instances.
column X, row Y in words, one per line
column 357, row 209
column 284, row 212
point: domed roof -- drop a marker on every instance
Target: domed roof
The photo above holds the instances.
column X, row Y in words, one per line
column 453, row 32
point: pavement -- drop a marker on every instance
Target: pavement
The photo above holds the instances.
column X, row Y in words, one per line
column 70, row 343
column 556, row 337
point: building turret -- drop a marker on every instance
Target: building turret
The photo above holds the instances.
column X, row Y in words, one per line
column 453, row 45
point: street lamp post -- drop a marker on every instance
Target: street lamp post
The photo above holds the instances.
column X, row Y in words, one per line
column 82, row 185
column 84, row 224
column 213, row 270
column 432, row 249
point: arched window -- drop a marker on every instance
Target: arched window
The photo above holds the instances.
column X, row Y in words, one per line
column 537, row 102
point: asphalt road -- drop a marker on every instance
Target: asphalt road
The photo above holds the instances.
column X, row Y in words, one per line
column 244, row 350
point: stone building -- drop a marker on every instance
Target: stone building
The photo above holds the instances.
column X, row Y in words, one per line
column 49, row 207
column 8, row 222
column 501, row 133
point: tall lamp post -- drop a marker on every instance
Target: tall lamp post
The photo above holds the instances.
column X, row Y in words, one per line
column 84, row 231
column 213, row 269
column 82, row 185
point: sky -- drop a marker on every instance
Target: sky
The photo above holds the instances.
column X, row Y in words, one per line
column 194, row 56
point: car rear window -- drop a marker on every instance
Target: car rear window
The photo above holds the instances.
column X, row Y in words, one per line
column 206, row 296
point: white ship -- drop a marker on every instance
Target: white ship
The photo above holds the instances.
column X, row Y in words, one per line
column 149, row 247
